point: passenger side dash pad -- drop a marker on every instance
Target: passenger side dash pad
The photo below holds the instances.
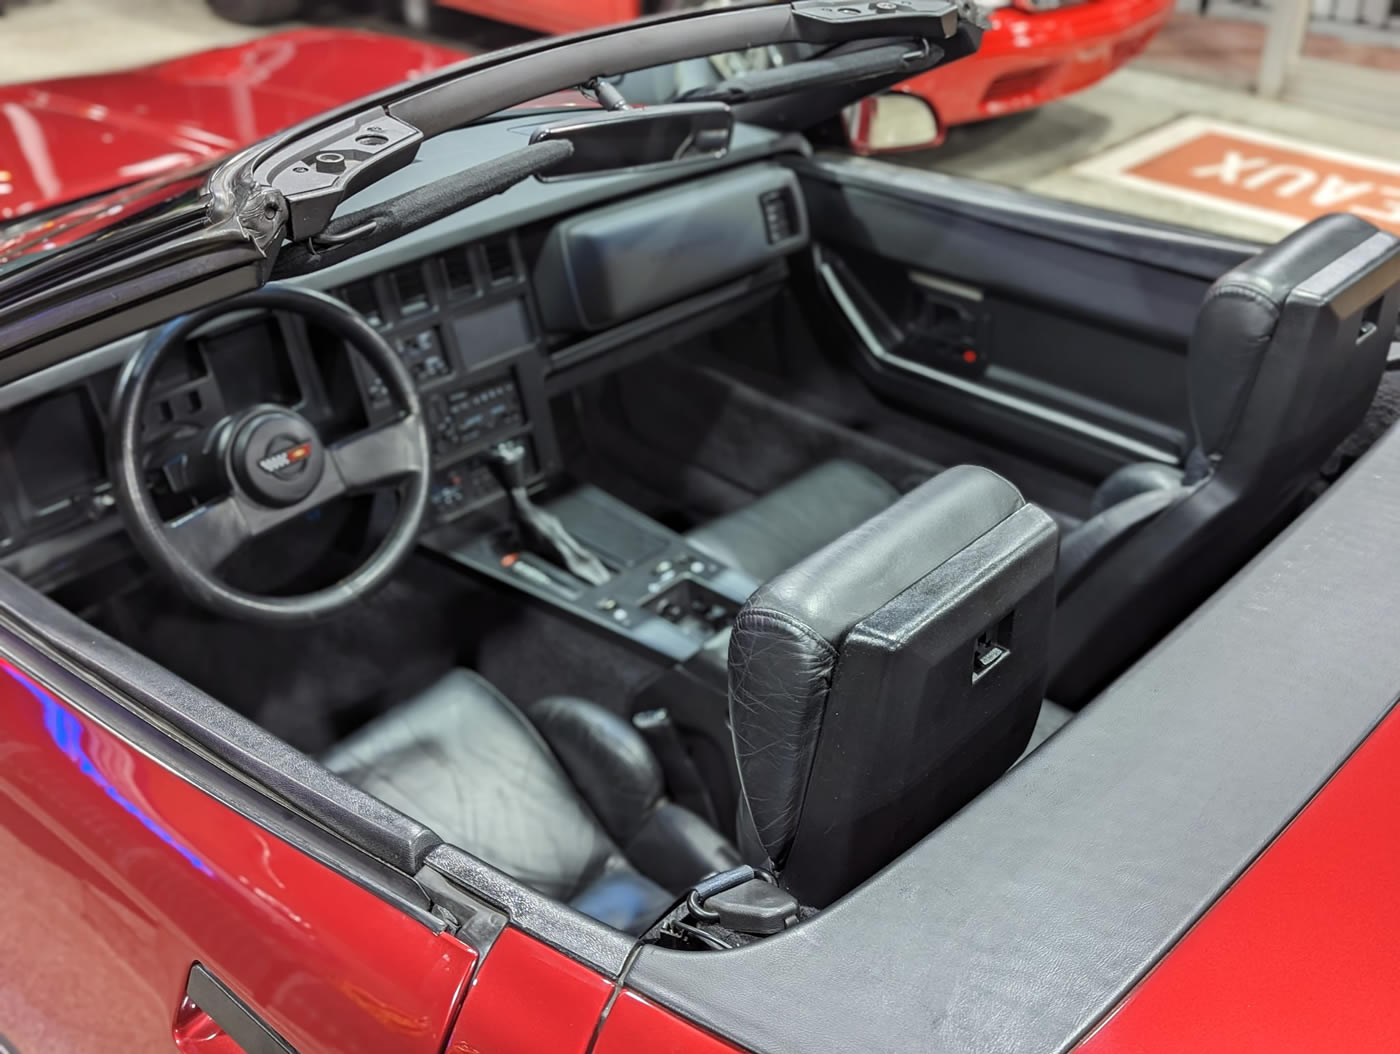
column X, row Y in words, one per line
column 604, row 267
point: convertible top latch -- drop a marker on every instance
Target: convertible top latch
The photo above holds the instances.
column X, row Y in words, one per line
column 729, row 909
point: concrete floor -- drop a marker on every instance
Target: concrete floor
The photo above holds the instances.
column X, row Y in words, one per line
column 1037, row 151
column 41, row 39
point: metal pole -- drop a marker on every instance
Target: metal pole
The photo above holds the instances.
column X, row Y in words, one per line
column 1288, row 25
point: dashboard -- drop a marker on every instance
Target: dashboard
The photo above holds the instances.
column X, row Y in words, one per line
column 494, row 312
column 462, row 321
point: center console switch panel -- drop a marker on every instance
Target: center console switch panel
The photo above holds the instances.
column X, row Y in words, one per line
column 604, row 267
column 693, row 606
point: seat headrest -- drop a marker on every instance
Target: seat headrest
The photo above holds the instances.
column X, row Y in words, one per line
column 1287, row 344
column 860, row 713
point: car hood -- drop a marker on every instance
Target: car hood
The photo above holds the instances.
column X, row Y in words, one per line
column 73, row 137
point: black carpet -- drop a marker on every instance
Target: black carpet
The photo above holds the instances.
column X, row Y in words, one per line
column 314, row 685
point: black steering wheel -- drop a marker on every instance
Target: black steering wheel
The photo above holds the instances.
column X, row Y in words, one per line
column 274, row 467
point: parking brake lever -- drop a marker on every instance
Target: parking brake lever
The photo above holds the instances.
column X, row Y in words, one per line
column 544, row 529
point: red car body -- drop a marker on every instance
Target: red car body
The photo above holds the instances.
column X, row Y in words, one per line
column 65, row 139
column 1027, row 59
column 121, row 864
column 123, row 870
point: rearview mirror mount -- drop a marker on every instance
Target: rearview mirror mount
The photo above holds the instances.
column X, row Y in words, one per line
column 640, row 138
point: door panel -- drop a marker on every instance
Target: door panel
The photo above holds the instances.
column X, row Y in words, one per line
column 529, row 998
column 1052, row 329
column 636, row 1025
column 119, row 875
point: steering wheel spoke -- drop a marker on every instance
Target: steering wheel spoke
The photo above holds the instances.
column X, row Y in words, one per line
column 385, row 455
column 210, row 534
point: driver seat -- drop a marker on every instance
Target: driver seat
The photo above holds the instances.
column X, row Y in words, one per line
column 569, row 801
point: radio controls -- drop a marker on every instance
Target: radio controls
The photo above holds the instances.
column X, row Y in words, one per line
column 457, row 419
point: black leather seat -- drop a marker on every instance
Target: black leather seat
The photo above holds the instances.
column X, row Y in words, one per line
column 775, row 531
column 880, row 684
column 1285, row 359
column 571, row 803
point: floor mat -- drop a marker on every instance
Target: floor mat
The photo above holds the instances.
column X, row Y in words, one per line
column 313, row 685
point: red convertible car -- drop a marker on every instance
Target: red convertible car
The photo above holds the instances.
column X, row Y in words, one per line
column 490, row 578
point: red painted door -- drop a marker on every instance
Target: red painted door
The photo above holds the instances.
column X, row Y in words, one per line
column 117, row 875
column 552, row 16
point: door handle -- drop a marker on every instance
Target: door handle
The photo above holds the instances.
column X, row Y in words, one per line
column 212, row 1020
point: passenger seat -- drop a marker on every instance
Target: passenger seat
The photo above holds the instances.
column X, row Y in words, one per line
column 786, row 525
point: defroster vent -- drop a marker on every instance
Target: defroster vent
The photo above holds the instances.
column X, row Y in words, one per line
column 412, row 289
column 458, row 266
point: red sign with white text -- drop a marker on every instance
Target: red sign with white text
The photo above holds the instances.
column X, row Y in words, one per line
column 1255, row 174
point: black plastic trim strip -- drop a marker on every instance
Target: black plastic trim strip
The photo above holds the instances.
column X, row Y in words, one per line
column 213, row 748
column 1023, row 920
column 597, row 946
column 251, row 1033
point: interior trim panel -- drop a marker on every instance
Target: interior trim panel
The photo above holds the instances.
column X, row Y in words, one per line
column 871, row 342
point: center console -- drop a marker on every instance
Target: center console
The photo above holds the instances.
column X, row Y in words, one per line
column 663, row 595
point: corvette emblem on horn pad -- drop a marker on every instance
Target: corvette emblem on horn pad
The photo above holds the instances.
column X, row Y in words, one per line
column 277, row 463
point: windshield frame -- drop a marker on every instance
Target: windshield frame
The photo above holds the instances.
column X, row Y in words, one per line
column 490, row 83
column 245, row 214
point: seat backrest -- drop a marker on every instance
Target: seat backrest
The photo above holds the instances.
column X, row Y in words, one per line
column 1285, row 359
column 884, row 681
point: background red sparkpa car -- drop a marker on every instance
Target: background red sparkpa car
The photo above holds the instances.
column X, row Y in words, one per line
column 65, row 139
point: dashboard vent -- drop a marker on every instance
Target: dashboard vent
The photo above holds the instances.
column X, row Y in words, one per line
column 460, row 277
column 412, row 288
column 779, row 215
column 500, row 261
column 362, row 297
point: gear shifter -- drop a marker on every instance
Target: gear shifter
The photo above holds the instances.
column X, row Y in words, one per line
column 507, row 460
